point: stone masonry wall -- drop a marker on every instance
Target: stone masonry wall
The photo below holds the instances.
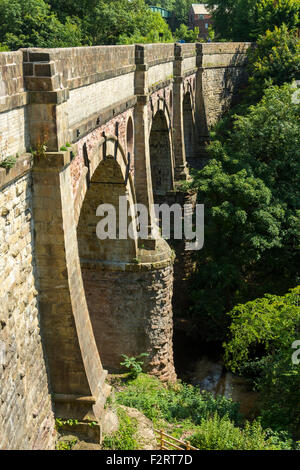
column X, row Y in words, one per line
column 223, row 69
column 140, row 303
column 26, row 416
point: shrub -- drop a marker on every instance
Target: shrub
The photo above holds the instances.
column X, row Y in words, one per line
column 133, row 364
column 262, row 334
column 219, row 433
column 174, row 402
column 8, row 162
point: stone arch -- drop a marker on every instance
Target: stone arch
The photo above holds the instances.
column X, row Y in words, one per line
column 107, row 145
column 161, row 158
column 103, row 262
column 107, row 186
column 189, row 124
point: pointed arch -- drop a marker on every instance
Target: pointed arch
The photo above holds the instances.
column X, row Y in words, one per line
column 188, row 125
column 161, row 158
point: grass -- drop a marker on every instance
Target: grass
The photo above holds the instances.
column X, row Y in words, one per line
column 187, row 413
column 126, row 436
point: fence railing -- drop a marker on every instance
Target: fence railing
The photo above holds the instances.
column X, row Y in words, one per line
column 167, row 442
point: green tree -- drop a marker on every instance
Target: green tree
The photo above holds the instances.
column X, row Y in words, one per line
column 233, row 19
column 245, row 20
column 267, row 328
column 116, row 21
column 270, row 13
column 31, row 23
column 251, row 192
column 79, row 8
column 181, row 11
column 186, row 34
column 275, row 59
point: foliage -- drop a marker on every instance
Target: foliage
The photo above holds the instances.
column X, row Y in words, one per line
column 271, row 322
column 232, row 19
column 59, row 422
column 251, row 192
column 41, row 149
column 182, row 410
column 245, row 20
column 179, row 9
column 68, row 8
column 57, row 23
column 279, row 386
column 134, row 364
column 275, row 59
column 211, row 33
column 219, row 433
column 31, row 23
column 125, row 437
column 8, row 162
column 123, row 22
column 174, row 403
column 4, row 48
column 186, row 34
column 65, row 445
column 263, row 331
column 270, row 14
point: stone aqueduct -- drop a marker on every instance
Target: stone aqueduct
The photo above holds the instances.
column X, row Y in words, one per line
column 134, row 116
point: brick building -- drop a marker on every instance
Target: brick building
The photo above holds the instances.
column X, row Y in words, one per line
column 200, row 16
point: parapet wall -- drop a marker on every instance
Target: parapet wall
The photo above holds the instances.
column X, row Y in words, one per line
column 14, row 136
column 91, row 80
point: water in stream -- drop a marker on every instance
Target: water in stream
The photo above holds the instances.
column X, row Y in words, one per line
column 208, row 373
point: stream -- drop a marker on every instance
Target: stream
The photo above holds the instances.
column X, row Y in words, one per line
column 206, row 370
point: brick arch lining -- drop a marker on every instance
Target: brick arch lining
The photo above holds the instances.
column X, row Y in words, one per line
column 106, row 186
column 109, row 145
column 161, row 105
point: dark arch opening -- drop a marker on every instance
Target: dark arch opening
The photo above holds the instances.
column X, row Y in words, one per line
column 188, row 126
column 160, row 156
column 129, row 136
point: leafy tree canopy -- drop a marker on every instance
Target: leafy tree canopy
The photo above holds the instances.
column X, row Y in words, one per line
column 275, row 59
column 250, row 189
column 245, row 20
column 31, row 23
column 186, row 34
column 57, row 23
column 262, row 335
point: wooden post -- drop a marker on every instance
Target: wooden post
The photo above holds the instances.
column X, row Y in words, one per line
column 161, row 439
column 188, row 446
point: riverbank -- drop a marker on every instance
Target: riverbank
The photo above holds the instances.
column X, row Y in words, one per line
column 184, row 411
